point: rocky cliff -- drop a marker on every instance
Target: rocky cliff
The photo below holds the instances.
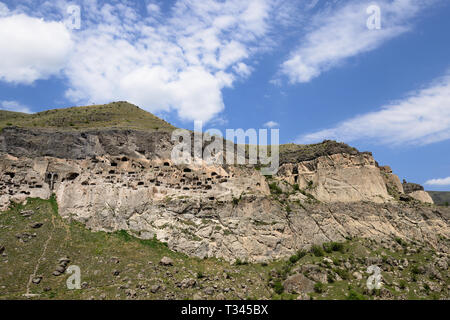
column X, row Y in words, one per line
column 417, row 192
column 124, row 179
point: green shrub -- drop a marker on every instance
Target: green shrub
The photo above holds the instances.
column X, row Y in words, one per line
column 285, row 270
column 353, row 295
column 330, row 278
column 338, row 247
column 400, row 241
column 415, row 270
column 278, row 287
column 301, row 254
column 239, row 262
column 402, row 284
column 294, row 258
column 124, row 235
column 296, row 187
column 319, row 287
column 333, row 246
column 344, row 274
column 317, row 251
column 275, row 189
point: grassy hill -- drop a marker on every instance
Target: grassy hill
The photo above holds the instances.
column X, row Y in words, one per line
column 35, row 240
column 440, row 197
column 114, row 115
column 123, row 115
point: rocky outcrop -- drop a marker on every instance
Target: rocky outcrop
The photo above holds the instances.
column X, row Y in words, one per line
column 79, row 145
column 422, row 196
column 124, row 180
column 416, row 191
column 338, row 178
column 393, row 184
column 409, row 187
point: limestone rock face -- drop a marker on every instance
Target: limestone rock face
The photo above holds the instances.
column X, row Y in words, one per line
column 338, row 178
column 126, row 181
column 421, row 196
column 392, row 181
column 21, row 179
column 416, row 191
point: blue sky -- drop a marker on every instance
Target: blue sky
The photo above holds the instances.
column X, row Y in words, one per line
column 311, row 68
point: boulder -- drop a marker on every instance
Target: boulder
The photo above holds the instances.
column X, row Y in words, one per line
column 298, row 284
column 422, row 196
column 37, row 280
column 187, row 283
column 165, row 261
column 155, row 288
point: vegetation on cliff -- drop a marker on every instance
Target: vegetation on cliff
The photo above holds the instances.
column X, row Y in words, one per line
column 37, row 245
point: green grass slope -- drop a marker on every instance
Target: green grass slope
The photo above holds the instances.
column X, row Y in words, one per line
column 121, row 115
column 120, row 266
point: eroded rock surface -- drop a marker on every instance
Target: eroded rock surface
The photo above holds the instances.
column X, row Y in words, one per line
column 124, row 180
column 416, row 191
column 338, row 178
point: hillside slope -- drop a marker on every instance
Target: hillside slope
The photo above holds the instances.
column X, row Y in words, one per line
column 117, row 178
column 441, row 198
column 37, row 247
column 121, row 115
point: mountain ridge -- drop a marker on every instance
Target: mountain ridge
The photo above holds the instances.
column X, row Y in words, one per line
column 120, row 115
column 113, row 179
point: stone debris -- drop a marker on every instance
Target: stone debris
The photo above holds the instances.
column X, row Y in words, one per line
column 165, row 261
column 37, row 280
column 62, row 266
column 27, row 213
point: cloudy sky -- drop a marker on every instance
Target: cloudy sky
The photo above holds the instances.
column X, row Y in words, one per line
column 315, row 69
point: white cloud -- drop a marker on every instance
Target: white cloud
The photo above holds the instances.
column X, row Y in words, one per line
column 271, row 124
column 341, row 33
column 14, row 106
column 4, row 11
column 423, row 117
column 177, row 61
column 31, row 48
column 312, row 4
column 242, row 70
column 153, row 8
column 439, row 182
column 181, row 64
